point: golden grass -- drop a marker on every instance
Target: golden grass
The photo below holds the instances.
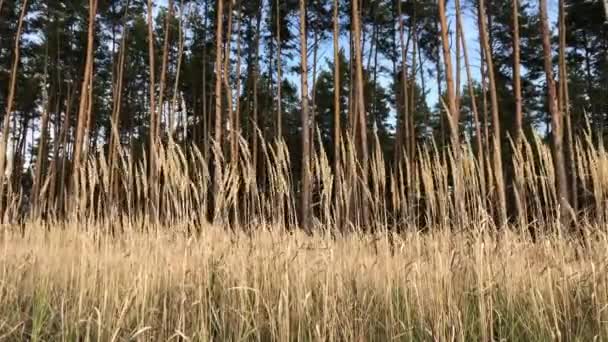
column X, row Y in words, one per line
column 67, row 284
column 144, row 263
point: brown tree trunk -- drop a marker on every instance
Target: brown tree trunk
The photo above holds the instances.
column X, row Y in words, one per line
column 218, row 109
column 520, row 198
column 360, row 103
column 41, row 156
column 279, row 75
column 117, row 100
column 180, row 54
column 256, row 73
column 337, row 129
column 556, row 117
column 564, row 104
column 497, row 155
column 470, row 85
column 226, row 80
column 305, row 219
column 453, row 115
column 236, row 118
column 403, row 127
column 153, row 114
column 163, row 69
column 85, row 99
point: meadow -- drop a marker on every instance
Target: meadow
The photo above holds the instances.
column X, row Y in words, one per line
column 430, row 269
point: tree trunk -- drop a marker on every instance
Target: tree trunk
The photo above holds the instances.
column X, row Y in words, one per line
column 256, row 72
column 556, row 117
column 218, row 110
column 478, row 138
column 153, row 113
column 337, row 129
column 364, row 157
column 305, row 219
column 453, row 115
column 236, row 118
column 41, row 156
column 226, row 78
column 117, row 100
column 497, row 155
column 84, row 99
column 180, row 53
column 566, row 108
column 279, row 123
column 163, row 70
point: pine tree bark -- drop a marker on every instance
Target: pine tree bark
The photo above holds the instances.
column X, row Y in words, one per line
column 476, row 122
column 41, row 155
column 163, row 69
column 85, row 99
column 556, row 118
column 153, row 114
column 497, row 150
column 279, row 123
column 218, row 110
column 236, row 118
column 337, row 128
column 360, row 110
column 453, row 115
column 565, row 106
column 305, row 192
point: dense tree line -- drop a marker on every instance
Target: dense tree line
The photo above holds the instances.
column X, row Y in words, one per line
column 81, row 77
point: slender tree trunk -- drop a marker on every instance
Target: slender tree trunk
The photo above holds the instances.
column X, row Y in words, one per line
column 565, row 108
column 458, row 62
column 205, row 118
column 364, row 157
column 180, row 53
column 305, row 219
column 256, row 71
column 403, row 130
column 84, row 99
column 516, row 75
column 117, row 100
column 313, row 109
column 163, row 69
column 556, row 118
column 337, row 129
column 226, row 79
column 453, row 115
column 218, row 109
column 236, row 118
column 41, row 156
column 605, row 9
column 153, row 114
column 497, row 155
column 520, row 198
column 478, row 137
column 279, row 75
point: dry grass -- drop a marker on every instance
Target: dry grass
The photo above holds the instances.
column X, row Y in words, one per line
column 70, row 285
column 120, row 266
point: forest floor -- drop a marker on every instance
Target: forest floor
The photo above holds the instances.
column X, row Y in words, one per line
column 66, row 284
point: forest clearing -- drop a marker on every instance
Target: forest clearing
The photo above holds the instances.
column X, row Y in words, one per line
column 306, row 170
